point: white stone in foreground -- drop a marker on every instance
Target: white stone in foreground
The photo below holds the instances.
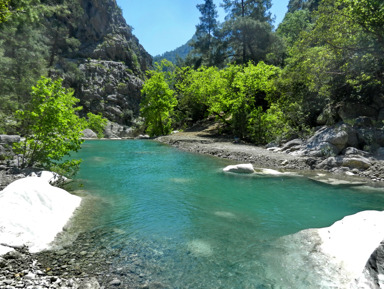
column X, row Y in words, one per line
column 351, row 241
column 32, row 212
column 241, row 168
column 331, row 257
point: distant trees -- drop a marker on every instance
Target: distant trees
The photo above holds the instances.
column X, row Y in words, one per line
column 246, row 35
column 206, row 44
column 326, row 53
column 248, row 29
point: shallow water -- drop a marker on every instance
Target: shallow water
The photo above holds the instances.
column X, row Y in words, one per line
column 193, row 226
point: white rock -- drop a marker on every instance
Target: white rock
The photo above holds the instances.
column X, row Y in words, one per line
column 48, row 176
column 32, row 212
column 241, row 168
column 331, row 257
column 351, row 241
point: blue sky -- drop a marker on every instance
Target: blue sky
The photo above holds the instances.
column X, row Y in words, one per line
column 163, row 25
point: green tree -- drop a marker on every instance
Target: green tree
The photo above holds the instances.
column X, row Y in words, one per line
column 23, row 57
column 248, row 29
column 159, row 99
column 51, row 127
column 296, row 5
column 206, row 45
column 97, row 123
column 4, row 10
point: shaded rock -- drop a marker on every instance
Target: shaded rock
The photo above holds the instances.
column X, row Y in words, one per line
column 354, row 151
column 9, row 139
column 323, row 149
column 380, row 117
column 352, row 136
column 115, row 130
column 375, row 265
column 292, row 143
column 110, row 88
column 379, row 153
column 359, row 163
column 363, row 121
column 241, row 168
column 328, row 163
column 89, row 134
column 335, row 135
column 348, row 111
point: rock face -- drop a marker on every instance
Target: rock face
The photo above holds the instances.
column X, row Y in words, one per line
column 105, row 35
column 89, row 134
column 110, row 89
column 107, row 68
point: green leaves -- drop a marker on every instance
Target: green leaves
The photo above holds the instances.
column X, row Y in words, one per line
column 96, row 123
column 159, row 100
column 51, row 127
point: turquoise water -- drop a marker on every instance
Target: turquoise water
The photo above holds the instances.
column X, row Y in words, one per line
column 194, row 226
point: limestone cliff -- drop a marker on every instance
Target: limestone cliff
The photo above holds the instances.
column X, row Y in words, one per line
column 109, row 61
column 105, row 35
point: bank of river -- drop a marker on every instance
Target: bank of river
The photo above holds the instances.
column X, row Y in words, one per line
column 206, row 142
column 156, row 217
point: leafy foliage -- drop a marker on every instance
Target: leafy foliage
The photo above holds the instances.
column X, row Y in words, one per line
column 51, row 127
column 97, row 123
column 159, row 100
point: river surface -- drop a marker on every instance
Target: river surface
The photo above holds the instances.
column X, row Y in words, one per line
column 187, row 224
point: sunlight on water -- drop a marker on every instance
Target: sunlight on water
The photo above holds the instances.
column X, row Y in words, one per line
column 193, row 226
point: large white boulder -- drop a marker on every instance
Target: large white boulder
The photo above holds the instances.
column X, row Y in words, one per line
column 32, row 212
column 351, row 241
column 330, row 257
column 241, row 168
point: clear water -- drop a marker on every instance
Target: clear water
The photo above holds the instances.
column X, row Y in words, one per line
column 193, row 226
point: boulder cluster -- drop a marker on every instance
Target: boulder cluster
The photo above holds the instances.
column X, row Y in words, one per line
column 354, row 149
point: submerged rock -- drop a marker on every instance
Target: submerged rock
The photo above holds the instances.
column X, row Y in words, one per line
column 241, row 168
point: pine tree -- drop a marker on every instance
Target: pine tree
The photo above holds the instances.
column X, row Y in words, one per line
column 248, row 29
column 206, row 48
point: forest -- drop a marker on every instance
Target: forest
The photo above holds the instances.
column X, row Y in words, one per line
column 268, row 85
column 262, row 83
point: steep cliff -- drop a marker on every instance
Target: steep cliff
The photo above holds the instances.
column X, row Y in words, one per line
column 108, row 66
column 105, row 35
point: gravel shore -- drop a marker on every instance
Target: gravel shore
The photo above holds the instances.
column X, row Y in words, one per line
column 204, row 141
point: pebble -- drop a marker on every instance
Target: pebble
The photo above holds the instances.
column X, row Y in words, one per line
column 20, row 270
column 115, row 282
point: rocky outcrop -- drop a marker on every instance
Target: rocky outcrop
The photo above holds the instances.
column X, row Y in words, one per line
column 108, row 65
column 110, row 88
column 105, row 35
column 89, row 134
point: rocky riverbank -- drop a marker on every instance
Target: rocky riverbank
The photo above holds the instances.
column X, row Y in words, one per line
column 20, row 269
column 309, row 157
